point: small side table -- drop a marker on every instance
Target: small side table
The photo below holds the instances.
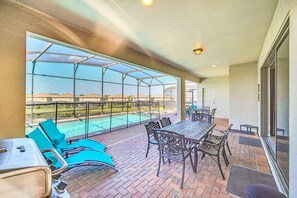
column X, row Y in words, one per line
column 248, row 127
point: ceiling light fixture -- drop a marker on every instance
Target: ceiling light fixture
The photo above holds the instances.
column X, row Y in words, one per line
column 213, row 65
column 198, row 51
column 147, row 2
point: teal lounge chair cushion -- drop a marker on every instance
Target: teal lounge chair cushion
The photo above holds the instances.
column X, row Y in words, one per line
column 87, row 144
column 86, row 156
column 59, row 138
column 43, row 143
column 91, row 157
column 55, row 136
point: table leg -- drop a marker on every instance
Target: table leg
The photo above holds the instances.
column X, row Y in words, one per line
column 195, row 158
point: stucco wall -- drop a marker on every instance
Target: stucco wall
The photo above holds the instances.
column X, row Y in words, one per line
column 15, row 21
column 243, row 94
column 221, row 86
column 280, row 14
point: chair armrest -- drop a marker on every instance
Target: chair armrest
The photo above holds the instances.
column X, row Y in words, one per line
column 218, row 130
column 209, row 143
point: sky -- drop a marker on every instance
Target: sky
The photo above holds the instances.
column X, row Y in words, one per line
column 43, row 84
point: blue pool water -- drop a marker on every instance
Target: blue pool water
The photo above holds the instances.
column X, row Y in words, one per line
column 78, row 127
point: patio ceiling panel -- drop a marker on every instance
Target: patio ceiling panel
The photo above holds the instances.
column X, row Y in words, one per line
column 156, row 82
column 66, row 50
column 54, row 53
column 147, row 80
column 35, row 45
column 31, row 56
column 59, row 58
column 121, row 68
column 167, row 79
column 138, row 74
column 96, row 61
column 152, row 73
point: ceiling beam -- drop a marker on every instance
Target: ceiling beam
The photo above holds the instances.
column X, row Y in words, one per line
column 152, row 77
column 84, row 59
column 109, row 65
column 42, row 51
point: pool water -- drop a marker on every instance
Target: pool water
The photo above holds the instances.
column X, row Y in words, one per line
column 78, row 127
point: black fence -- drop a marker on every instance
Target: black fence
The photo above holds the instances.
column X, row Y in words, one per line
column 77, row 119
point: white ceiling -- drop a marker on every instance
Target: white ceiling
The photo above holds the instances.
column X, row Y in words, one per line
column 229, row 31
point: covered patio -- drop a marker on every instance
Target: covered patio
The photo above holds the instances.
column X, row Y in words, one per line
column 137, row 175
column 128, row 63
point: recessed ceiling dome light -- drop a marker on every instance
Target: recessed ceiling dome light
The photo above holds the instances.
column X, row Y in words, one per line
column 213, row 65
column 198, row 51
column 147, row 2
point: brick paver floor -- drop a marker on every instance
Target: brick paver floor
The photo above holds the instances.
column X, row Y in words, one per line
column 137, row 175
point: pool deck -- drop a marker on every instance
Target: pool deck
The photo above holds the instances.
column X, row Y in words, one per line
column 137, row 175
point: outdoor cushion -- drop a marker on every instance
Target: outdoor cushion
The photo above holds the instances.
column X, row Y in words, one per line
column 85, row 157
column 59, row 138
column 53, row 133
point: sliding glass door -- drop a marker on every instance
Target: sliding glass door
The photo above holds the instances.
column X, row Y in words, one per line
column 275, row 103
column 282, row 107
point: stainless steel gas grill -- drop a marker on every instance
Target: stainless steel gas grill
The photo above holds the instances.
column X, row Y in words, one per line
column 24, row 172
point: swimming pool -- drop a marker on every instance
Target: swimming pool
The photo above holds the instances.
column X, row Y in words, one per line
column 78, row 127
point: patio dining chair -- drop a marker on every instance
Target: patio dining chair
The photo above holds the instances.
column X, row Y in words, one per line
column 173, row 147
column 150, row 134
column 201, row 117
column 165, row 122
column 58, row 139
column 216, row 138
column 215, row 150
column 212, row 113
column 81, row 158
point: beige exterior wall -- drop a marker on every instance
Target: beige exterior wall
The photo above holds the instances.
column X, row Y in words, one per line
column 15, row 22
column 221, row 86
column 279, row 16
column 243, row 94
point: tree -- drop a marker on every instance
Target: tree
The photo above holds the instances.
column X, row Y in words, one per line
column 106, row 97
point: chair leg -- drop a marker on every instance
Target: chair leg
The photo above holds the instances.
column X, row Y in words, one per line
column 228, row 148
column 192, row 163
column 183, row 175
column 220, row 167
column 159, row 165
column 225, row 159
column 148, row 148
column 163, row 160
column 203, row 155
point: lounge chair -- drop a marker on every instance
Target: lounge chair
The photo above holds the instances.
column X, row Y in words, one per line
column 58, row 139
column 82, row 158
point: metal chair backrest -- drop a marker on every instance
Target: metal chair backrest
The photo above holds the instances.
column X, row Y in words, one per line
column 224, row 139
column 170, row 144
column 165, row 122
column 150, row 128
column 201, row 117
column 213, row 111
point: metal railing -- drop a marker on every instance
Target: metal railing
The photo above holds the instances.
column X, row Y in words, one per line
column 85, row 119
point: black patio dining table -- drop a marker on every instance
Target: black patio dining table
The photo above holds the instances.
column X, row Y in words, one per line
column 193, row 131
